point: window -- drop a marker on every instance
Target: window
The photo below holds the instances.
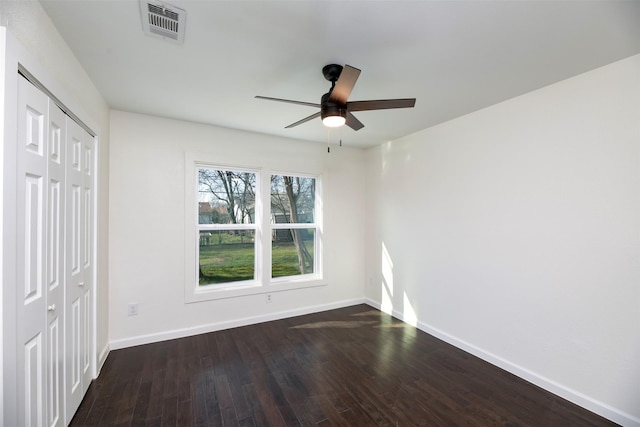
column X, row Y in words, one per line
column 226, row 226
column 250, row 230
column 293, row 240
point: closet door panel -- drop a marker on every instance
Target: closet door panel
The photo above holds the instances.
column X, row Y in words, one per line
column 31, row 196
column 87, row 254
column 79, row 263
column 74, row 280
column 55, row 266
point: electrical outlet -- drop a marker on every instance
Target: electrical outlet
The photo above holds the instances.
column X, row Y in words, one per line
column 132, row 309
column 268, row 298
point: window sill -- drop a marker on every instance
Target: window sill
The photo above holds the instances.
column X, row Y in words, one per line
column 252, row 288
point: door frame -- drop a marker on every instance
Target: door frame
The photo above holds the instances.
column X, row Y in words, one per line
column 13, row 53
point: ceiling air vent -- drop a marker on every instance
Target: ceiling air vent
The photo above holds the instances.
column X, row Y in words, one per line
column 163, row 20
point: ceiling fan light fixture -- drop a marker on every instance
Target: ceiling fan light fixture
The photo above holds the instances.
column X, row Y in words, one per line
column 334, row 121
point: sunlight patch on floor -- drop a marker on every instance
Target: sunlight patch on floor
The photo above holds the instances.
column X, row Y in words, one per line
column 343, row 324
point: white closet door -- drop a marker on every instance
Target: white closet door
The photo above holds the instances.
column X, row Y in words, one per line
column 55, row 271
column 31, row 310
column 79, row 263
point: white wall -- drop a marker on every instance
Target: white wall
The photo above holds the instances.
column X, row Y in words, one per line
column 34, row 41
column 147, row 261
column 514, row 232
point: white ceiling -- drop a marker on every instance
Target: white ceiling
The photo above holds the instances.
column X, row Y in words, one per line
column 453, row 56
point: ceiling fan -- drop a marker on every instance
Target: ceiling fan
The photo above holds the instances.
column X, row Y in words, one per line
column 335, row 110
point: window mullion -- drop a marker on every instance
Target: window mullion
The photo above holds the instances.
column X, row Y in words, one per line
column 265, row 198
column 285, row 225
column 224, row 227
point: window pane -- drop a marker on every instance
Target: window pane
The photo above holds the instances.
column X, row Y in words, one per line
column 292, row 252
column 226, row 197
column 292, row 199
column 226, row 256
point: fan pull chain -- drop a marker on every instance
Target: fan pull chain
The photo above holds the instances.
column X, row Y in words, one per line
column 328, row 140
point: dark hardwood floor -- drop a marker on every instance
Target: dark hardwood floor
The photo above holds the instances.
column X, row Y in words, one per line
column 354, row 366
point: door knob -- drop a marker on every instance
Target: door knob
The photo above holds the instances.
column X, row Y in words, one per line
column 52, row 307
column 81, row 284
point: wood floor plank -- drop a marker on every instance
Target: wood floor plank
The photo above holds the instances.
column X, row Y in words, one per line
column 185, row 413
column 354, row 366
column 169, row 411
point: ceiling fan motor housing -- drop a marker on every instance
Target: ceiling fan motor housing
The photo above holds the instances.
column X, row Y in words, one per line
column 328, row 108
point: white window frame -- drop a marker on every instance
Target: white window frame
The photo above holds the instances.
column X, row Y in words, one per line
column 257, row 247
column 317, row 220
column 263, row 283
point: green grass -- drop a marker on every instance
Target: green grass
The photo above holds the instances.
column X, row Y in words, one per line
column 232, row 262
column 284, row 259
column 228, row 262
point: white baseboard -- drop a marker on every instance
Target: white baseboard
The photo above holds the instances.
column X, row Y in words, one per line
column 567, row 393
column 102, row 357
column 219, row 326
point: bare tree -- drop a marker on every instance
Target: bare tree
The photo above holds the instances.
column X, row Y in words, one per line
column 247, row 195
column 235, row 191
column 279, row 201
column 295, row 192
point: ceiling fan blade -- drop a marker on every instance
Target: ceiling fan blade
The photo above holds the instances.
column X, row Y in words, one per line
column 344, row 85
column 353, row 123
column 381, row 104
column 308, row 104
column 306, row 119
